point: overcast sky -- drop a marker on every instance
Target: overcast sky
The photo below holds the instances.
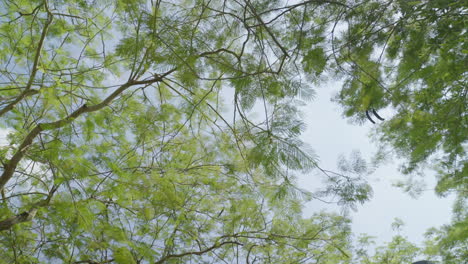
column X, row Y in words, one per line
column 330, row 135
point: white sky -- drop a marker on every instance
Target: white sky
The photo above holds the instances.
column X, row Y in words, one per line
column 330, row 135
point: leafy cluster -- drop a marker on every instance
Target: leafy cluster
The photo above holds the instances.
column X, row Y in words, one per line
column 120, row 148
column 410, row 56
column 168, row 131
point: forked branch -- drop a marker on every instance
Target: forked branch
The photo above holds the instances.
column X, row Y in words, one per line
column 10, row 167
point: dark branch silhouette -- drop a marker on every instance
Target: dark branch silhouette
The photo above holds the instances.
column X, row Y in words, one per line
column 368, row 117
column 377, row 115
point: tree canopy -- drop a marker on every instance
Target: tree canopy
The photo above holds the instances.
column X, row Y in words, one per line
column 168, row 131
column 411, row 56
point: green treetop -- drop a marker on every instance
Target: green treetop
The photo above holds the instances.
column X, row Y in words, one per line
column 120, row 148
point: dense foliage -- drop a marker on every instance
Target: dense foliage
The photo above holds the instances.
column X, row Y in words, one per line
column 412, row 56
column 119, row 149
column 132, row 134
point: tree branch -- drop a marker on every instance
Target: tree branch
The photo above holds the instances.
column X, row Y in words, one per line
column 28, row 215
column 27, row 91
column 10, row 167
column 94, row 262
column 254, row 12
column 198, row 253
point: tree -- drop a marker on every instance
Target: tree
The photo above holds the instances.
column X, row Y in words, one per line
column 449, row 242
column 399, row 250
column 410, row 56
column 444, row 245
column 119, row 149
